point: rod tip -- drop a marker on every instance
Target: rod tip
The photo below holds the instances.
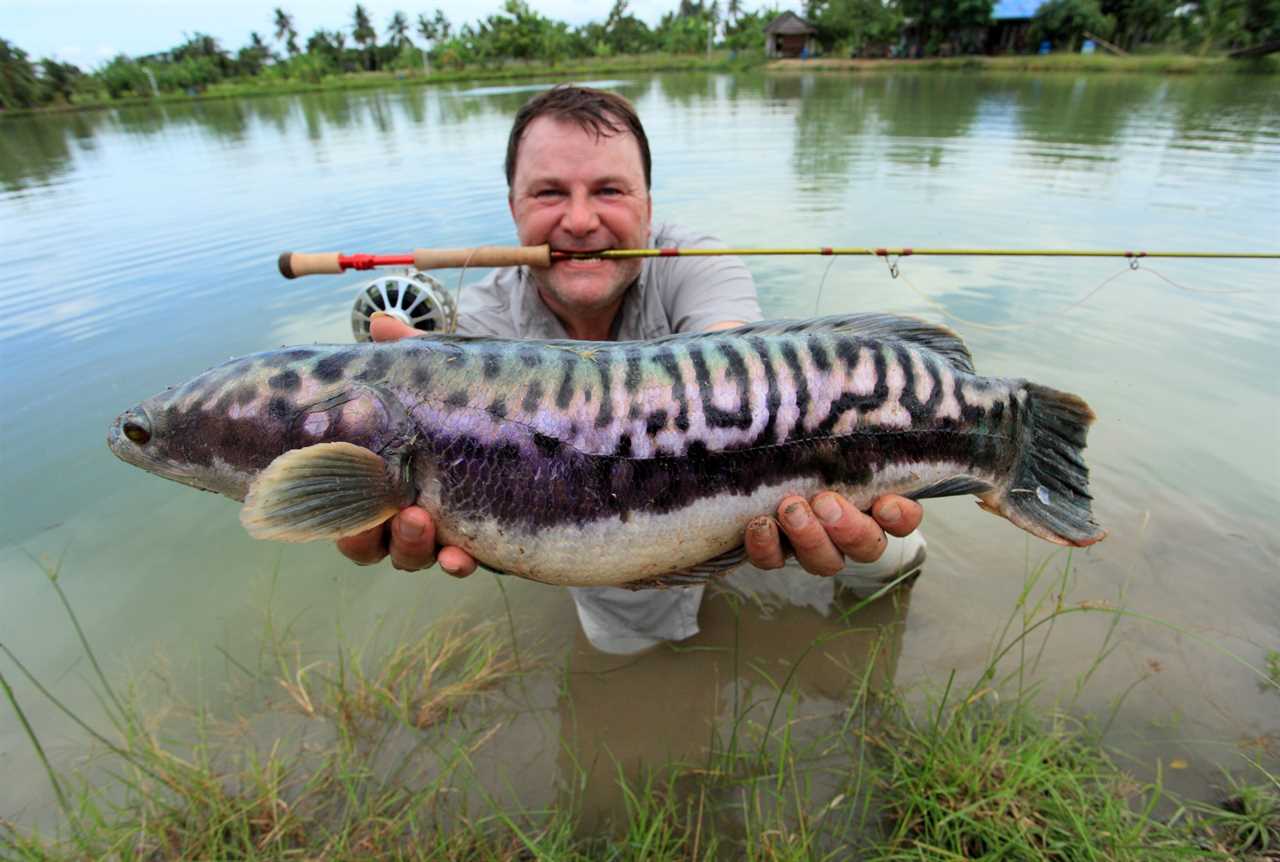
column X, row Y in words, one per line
column 285, row 263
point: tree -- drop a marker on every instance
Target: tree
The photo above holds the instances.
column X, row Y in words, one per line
column 733, row 11
column 435, row 29
column 846, row 26
column 252, row 57
column 746, row 33
column 624, row 33
column 285, row 31
column 957, row 21
column 366, row 37
column 18, row 86
column 1139, row 21
column 398, row 31
column 1064, row 22
column 58, row 80
column 1262, row 20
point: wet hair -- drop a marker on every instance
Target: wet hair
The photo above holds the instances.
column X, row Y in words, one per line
column 602, row 113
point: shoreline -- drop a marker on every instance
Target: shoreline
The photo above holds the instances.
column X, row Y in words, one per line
column 720, row 61
column 1161, row 64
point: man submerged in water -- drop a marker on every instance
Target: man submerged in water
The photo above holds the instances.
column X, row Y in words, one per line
column 578, row 176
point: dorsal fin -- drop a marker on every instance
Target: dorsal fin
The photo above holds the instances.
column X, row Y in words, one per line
column 933, row 336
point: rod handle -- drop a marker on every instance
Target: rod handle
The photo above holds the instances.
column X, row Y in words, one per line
column 298, row 263
column 485, row 255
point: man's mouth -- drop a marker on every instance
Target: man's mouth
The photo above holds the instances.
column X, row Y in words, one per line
column 587, row 261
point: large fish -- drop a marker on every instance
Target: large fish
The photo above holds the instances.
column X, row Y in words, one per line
column 595, row 463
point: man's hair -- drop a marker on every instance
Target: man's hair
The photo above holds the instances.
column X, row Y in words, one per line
column 601, row 113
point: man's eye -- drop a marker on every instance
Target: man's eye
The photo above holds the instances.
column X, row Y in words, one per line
column 547, row 193
column 610, row 191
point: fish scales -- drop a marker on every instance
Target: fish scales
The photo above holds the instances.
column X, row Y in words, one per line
column 596, row 463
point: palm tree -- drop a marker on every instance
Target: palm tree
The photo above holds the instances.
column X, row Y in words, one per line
column 436, row 28
column 398, row 31
column 734, row 10
column 285, row 31
column 365, row 35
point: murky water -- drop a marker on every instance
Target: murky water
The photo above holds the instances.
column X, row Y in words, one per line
column 140, row 247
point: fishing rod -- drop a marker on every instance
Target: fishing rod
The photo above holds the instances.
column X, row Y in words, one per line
column 296, row 264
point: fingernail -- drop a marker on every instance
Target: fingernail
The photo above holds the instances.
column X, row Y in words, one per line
column 796, row 516
column 827, row 509
column 890, row 513
column 760, row 527
column 378, row 314
column 410, row 531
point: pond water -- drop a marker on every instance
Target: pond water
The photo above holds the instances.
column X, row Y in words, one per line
column 141, row 246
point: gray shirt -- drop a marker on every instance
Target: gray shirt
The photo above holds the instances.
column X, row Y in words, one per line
column 672, row 294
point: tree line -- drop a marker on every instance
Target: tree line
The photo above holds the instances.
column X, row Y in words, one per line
column 851, row 27
column 520, row 33
column 402, row 44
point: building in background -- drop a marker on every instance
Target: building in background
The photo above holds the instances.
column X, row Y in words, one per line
column 789, row 35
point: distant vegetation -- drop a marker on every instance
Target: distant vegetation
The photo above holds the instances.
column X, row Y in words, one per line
column 432, row 44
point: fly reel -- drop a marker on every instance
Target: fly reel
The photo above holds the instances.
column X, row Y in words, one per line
column 412, row 296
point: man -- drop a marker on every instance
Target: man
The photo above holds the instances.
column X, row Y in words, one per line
column 578, row 175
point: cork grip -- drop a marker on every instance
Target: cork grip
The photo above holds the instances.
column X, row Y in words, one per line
column 454, row 258
column 297, row 263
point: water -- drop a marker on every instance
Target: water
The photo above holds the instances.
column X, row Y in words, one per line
column 141, row 246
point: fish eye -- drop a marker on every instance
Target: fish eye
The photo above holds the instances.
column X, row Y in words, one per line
column 137, row 432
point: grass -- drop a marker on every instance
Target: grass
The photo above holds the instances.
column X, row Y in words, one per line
column 510, row 71
column 373, row 754
column 1151, row 64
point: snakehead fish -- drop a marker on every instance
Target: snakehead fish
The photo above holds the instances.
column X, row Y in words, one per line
column 598, row 463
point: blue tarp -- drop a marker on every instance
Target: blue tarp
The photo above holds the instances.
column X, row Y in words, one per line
column 1015, row 9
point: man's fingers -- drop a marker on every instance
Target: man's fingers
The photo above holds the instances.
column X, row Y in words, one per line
column 456, row 561
column 814, row 549
column 857, row 535
column 388, row 327
column 365, row 548
column 898, row 515
column 413, row 540
column 764, row 544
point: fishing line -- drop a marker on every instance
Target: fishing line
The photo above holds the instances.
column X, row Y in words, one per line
column 895, row 272
column 817, row 302
column 452, row 327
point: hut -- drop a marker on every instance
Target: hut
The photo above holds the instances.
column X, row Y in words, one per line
column 789, row 35
column 1010, row 23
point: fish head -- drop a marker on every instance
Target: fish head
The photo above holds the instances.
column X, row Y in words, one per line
column 220, row 429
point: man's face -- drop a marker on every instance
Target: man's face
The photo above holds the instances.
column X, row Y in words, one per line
column 580, row 193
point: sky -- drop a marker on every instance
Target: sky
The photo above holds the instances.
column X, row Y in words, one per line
column 90, row 32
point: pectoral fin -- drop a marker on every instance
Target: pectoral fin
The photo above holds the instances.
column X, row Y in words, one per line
column 325, row 491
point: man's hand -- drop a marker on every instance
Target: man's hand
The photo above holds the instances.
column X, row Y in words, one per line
column 410, row 536
column 827, row 529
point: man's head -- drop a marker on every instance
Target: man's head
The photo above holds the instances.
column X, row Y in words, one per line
column 578, row 171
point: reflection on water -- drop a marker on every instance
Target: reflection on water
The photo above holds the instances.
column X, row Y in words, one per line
column 142, row 243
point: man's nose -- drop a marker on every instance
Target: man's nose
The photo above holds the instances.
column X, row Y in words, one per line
column 580, row 217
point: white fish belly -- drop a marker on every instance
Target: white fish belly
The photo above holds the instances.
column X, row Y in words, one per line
column 611, row 551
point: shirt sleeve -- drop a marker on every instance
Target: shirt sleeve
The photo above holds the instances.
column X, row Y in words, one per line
column 699, row 292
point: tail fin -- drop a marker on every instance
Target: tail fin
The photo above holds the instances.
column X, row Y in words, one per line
column 1048, row 494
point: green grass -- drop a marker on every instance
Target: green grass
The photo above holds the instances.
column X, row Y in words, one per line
column 372, row 756
column 265, row 85
column 1152, row 64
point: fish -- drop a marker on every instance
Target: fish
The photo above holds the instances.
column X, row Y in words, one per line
column 616, row 463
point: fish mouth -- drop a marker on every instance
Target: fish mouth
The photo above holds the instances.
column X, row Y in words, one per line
column 128, row 435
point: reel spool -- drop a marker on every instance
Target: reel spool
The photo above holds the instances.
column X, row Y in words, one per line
column 413, row 296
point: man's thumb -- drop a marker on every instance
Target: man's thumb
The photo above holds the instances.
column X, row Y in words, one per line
column 388, row 327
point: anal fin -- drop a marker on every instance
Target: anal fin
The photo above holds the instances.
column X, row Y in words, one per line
column 956, row 486
column 695, row 575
